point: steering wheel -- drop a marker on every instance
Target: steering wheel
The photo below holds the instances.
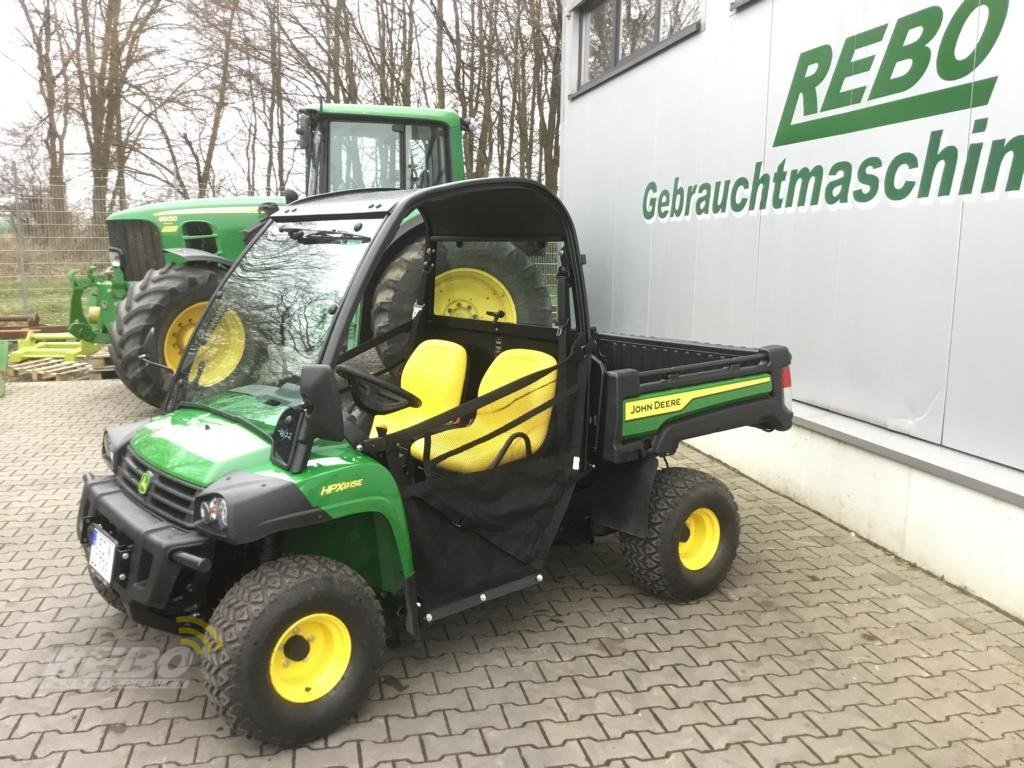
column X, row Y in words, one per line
column 376, row 395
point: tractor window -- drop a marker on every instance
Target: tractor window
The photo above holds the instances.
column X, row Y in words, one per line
column 363, row 155
column 510, row 282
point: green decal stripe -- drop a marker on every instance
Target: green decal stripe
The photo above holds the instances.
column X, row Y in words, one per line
column 954, row 99
column 758, row 386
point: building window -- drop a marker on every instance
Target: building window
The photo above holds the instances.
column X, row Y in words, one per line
column 614, row 31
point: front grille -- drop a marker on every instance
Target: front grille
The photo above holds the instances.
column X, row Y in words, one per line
column 140, row 243
column 167, row 496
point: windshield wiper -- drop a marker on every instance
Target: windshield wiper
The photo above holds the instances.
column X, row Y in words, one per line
column 251, row 426
column 311, row 236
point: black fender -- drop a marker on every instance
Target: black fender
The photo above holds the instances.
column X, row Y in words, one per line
column 617, row 496
column 258, row 506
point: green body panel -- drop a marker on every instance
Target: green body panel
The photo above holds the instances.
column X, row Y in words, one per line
column 673, row 404
column 228, row 217
column 199, row 447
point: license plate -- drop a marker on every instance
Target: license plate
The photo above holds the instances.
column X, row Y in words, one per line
column 102, row 549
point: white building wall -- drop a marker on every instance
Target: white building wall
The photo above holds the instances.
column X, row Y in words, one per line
column 904, row 315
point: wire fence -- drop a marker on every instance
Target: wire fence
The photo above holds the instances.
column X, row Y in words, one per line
column 43, row 236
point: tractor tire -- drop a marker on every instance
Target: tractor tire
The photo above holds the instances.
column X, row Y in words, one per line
column 692, row 534
column 296, row 647
column 160, row 300
column 402, row 284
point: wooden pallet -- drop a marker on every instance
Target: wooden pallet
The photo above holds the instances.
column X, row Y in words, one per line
column 102, row 364
column 14, row 327
column 50, row 370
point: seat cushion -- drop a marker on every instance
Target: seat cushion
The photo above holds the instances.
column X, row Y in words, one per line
column 436, row 373
column 510, row 365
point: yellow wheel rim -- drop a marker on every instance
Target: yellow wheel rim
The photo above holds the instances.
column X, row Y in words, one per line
column 310, row 658
column 179, row 332
column 702, row 535
column 221, row 354
column 470, row 294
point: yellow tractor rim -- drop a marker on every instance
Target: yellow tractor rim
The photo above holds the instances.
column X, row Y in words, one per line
column 470, row 294
column 222, row 352
column 180, row 331
column 310, row 658
column 704, row 535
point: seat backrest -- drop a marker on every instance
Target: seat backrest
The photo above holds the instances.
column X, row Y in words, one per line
column 508, row 366
column 436, row 373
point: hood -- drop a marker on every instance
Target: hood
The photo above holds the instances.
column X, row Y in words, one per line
column 199, row 447
column 197, row 207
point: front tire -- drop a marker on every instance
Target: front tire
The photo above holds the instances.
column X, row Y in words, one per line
column 302, row 641
column 692, row 535
column 170, row 300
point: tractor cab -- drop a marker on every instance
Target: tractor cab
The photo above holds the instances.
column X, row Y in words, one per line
column 350, row 147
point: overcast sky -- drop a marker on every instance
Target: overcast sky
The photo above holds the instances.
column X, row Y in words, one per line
column 18, row 85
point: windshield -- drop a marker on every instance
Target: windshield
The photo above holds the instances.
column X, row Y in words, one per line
column 271, row 317
column 364, row 155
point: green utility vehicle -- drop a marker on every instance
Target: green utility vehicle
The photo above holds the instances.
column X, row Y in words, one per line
column 168, row 258
column 310, row 504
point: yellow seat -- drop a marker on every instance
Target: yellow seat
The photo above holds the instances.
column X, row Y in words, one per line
column 436, row 373
column 510, row 365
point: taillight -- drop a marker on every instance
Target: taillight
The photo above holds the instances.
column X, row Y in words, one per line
column 787, row 384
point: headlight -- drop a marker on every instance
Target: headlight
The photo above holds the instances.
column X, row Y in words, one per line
column 107, row 453
column 213, row 510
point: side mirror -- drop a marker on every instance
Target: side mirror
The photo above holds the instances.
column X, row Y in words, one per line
column 290, row 196
column 302, row 129
column 319, row 415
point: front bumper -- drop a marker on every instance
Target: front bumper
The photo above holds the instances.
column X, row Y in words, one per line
column 159, row 568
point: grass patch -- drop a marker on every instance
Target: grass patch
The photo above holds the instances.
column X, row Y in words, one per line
column 47, row 296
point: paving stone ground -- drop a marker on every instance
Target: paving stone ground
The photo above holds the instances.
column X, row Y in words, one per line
column 820, row 649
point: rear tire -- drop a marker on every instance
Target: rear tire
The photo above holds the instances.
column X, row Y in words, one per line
column 154, row 302
column 402, row 284
column 246, row 675
column 693, row 532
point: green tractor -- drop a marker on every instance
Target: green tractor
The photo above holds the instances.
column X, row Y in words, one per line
column 167, row 259
column 310, row 507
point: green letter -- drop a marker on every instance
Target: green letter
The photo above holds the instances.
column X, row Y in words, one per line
column 838, row 190
column 664, row 203
column 917, row 54
column 868, row 180
column 740, row 183
column 1000, row 149
column 811, row 70
column 649, row 193
column 947, row 64
column 677, row 199
column 704, row 201
column 847, row 67
column 778, row 180
column 948, row 156
column 902, row 192
column 804, row 177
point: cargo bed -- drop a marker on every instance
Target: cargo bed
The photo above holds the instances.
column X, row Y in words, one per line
column 653, row 393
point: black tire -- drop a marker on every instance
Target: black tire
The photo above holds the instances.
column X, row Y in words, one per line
column 153, row 302
column 109, row 596
column 250, row 619
column 654, row 560
column 402, row 284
